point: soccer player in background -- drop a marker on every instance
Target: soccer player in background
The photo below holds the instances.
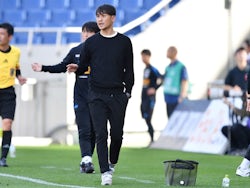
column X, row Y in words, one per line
column 151, row 82
column 110, row 57
column 83, row 119
column 9, row 70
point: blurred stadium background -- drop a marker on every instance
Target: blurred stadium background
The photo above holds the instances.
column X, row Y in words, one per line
column 206, row 33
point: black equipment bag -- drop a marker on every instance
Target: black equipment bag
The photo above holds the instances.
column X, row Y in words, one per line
column 181, row 172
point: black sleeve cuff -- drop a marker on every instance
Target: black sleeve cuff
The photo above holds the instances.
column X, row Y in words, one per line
column 18, row 72
column 45, row 68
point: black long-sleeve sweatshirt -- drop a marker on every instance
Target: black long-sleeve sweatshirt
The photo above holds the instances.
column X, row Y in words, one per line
column 111, row 63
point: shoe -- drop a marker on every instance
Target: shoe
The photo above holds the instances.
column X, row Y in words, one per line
column 87, row 168
column 150, row 144
column 243, row 172
column 106, row 178
column 112, row 167
column 3, row 163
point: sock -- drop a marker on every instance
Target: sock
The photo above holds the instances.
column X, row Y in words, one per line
column 111, row 165
column 86, row 159
column 245, row 163
column 6, row 140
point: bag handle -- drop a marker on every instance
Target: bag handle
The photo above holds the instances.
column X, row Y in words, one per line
column 188, row 163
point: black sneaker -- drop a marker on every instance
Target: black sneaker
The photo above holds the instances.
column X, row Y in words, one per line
column 87, row 168
column 3, row 163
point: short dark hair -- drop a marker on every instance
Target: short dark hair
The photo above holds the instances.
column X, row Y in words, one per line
column 106, row 9
column 146, row 52
column 247, row 42
column 8, row 27
column 239, row 50
column 91, row 27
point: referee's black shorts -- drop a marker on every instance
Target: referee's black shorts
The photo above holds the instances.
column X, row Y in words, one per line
column 7, row 103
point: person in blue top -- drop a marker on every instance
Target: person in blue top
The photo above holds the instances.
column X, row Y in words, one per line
column 175, row 82
column 151, row 82
column 83, row 120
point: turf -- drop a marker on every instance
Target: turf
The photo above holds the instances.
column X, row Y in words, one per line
column 137, row 168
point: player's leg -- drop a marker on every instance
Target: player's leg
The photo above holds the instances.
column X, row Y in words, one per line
column 8, row 106
column 85, row 135
column 118, row 109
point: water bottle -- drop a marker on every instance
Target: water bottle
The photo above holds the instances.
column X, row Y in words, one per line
column 225, row 181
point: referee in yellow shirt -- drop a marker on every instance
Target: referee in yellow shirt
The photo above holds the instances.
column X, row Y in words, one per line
column 9, row 70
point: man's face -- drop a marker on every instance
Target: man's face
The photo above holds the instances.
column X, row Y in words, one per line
column 86, row 34
column 104, row 21
column 145, row 59
column 241, row 57
column 4, row 37
column 171, row 53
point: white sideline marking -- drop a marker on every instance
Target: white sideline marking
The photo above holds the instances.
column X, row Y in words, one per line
column 53, row 167
column 141, row 181
column 121, row 177
column 38, row 181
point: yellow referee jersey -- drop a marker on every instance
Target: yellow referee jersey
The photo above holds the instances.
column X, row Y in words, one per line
column 9, row 63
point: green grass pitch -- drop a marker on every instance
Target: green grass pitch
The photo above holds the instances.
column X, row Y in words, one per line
column 58, row 166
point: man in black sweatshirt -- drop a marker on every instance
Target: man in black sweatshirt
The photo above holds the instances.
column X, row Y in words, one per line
column 83, row 121
column 110, row 57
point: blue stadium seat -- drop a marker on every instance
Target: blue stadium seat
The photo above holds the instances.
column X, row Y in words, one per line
column 97, row 3
column 32, row 5
column 148, row 4
column 10, row 4
column 82, row 17
column 15, row 17
column 132, row 15
column 60, row 18
column 119, row 17
column 173, row 3
column 133, row 31
column 155, row 16
column 56, row 4
column 71, row 38
column 37, row 18
column 20, row 38
column 37, row 38
column 81, row 4
column 131, row 4
column 44, row 38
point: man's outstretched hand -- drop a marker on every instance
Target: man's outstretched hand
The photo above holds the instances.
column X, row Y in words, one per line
column 72, row 67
